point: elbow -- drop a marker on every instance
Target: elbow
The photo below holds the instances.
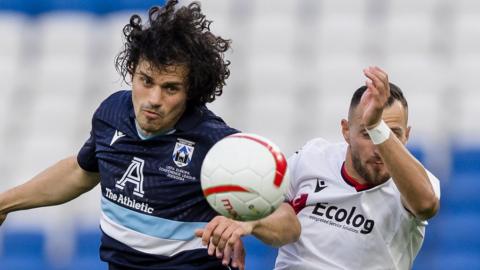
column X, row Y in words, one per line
column 428, row 208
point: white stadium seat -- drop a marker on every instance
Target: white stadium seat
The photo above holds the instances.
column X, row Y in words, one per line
column 341, row 34
column 403, row 7
column 466, row 35
column 335, row 7
column 66, row 34
column 424, row 83
column 14, row 32
column 409, row 34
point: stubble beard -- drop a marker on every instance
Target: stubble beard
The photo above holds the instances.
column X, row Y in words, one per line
column 372, row 177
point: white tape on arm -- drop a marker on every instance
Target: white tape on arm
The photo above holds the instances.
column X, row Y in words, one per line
column 380, row 133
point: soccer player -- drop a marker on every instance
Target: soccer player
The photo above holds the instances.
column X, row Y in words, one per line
column 147, row 145
column 362, row 204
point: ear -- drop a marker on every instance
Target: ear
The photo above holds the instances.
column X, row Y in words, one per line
column 131, row 78
column 346, row 130
column 407, row 132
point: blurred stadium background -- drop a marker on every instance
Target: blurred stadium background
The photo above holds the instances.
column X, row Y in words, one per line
column 295, row 64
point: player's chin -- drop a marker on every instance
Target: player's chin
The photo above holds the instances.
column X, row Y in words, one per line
column 378, row 173
column 150, row 125
column 381, row 177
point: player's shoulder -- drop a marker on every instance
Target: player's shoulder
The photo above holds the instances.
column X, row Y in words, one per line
column 117, row 104
column 118, row 98
column 321, row 145
column 319, row 151
column 213, row 125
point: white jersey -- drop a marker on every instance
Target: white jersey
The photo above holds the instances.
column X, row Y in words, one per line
column 346, row 225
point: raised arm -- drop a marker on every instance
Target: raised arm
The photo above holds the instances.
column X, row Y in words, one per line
column 58, row 184
column 409, row 175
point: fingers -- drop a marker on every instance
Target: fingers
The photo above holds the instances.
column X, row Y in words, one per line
column 222, row 236
column 226, row 236
column 211, row 249
column 227, row 255
column 199, row 232
column 238, row 259
column 234, row 253
column 217, row 235
column 216, row 232
column 219, row 253
column 377, row 79
column 208, row 230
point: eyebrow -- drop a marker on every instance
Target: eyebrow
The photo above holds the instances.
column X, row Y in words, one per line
column 143, row 74
column 165, row 84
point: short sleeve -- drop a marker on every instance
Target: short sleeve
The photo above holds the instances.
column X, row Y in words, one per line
column 435, row 183
column 291, row 189
column 86, row 157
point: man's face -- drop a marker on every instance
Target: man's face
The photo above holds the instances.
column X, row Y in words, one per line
column 365, row 159
column 159, row 96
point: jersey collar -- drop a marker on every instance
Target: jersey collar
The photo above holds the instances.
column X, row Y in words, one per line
column 352, row 181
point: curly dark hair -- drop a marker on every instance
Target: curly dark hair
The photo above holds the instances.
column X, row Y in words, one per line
column 178, row 36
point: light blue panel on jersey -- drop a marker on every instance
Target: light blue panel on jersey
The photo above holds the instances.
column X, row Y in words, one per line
column 150, row 225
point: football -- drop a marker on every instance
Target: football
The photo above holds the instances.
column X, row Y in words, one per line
column 244, row 176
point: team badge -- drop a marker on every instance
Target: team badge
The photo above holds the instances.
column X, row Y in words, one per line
column 183, row 152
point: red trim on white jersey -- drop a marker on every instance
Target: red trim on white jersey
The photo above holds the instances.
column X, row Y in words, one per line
column 352, row 181
column 299, row 203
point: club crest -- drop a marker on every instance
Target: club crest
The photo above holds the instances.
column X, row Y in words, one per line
column 183, row 152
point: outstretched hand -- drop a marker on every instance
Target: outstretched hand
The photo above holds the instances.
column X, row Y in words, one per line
column 223, row 238
column 376, row 96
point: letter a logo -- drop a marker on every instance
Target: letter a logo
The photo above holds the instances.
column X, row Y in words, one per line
column 134, row 175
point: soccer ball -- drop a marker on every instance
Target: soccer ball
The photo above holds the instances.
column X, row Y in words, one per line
column 244, row 177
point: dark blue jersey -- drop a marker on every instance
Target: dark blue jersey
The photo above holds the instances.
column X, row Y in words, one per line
column 151, row 195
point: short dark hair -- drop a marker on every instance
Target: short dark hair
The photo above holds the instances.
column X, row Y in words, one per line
column 178, row 36
column 395, row 94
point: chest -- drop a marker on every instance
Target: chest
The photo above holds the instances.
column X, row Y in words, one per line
column 335, row 206
column 148, row 168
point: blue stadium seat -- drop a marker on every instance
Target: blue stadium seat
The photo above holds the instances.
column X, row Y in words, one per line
column 87, row 243
column 100, row 7
column 448, row 260
column 259, row 255
column 87, row 263
column 417, row 152
column 457, row 232
column 461, row 193
column 23, row 250
column 22, row 6
column 466, row 160
column 23, row 243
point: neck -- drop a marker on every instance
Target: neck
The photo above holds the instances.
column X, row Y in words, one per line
column 145, row 135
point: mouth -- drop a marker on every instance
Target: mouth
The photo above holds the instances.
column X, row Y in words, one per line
column 151, row 114
column 376, row 162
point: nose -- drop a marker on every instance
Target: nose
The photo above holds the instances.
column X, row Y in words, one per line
column 155, row 96
column 376, row 155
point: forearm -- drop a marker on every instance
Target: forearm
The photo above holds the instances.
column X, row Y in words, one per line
column 59, row 183
column 279, row 228
column 410, row 177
